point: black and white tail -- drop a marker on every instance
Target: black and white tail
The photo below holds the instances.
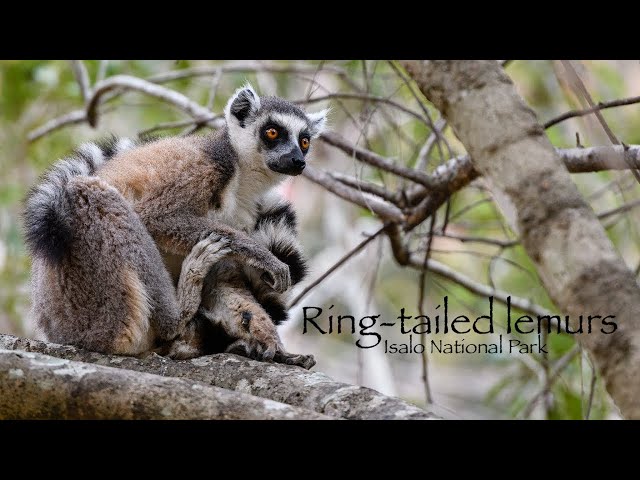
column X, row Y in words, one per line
column 47, row 223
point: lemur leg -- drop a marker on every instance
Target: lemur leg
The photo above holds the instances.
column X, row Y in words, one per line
column 238, row 313
column 178, row 232
column 195, row 268
column 111, row 293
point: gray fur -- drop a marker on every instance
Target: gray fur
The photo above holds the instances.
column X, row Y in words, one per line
column 103, row 225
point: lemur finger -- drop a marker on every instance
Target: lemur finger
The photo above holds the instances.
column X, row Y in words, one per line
column 300, row 360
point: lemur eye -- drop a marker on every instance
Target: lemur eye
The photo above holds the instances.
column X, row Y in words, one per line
column 271, row 133
column 304, row 143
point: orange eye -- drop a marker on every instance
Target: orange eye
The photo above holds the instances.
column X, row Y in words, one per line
column 304, row 143
column 271, row 133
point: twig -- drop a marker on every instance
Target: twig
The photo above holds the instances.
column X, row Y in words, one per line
column 421, row 286
column 425, row 151
column 364, row 186
column 592, row 389
column 490, row 241
column 605, row 126
column 587, row 111
column 71, row 118
column 478, row 288
column 337, row 265
column 620, row 209
column 381, row 208
column 212, row 121
column 102, row 70
column 177, row 99
column 82, row 77
column 557, row 369
column 364, row 97
column 207, row 71
column 376, row 160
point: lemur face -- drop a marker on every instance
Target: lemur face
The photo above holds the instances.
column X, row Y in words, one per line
column 271, row 133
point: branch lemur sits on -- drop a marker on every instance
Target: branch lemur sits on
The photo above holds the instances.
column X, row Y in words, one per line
column 116, row 226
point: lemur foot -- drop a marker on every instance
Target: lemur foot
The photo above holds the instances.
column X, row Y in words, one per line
column 300, row 360
column 255, row 351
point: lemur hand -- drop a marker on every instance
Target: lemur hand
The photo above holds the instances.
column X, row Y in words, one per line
column 275, row 272
column 278, row 276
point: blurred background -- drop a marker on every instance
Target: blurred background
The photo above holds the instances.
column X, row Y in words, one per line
column 372, row 106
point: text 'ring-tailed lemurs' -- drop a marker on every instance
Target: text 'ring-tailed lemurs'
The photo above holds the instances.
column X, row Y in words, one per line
column 180, row 245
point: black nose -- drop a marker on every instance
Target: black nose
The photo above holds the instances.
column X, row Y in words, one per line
column 298, row 163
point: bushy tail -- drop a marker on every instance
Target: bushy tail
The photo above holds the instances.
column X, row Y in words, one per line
column 47, row 215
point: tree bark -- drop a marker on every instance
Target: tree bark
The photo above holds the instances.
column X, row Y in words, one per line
column 577, row 263
column 282, row 383
column 37, row 386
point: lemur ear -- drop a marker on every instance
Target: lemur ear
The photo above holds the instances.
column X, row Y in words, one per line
column 242, row 103
column 317, row 122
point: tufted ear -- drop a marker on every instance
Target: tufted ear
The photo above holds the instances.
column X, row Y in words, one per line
column 243, row 102
column 317, row 122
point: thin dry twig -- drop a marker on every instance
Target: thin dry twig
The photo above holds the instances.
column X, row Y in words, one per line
column 554, row 374
column 588, row 111
column 335, row 266
column 363, row 97
column 381, row 208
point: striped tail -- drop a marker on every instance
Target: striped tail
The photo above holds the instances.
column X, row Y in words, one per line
column 47, row 216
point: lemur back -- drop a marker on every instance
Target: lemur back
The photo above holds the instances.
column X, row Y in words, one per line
column 101, row 222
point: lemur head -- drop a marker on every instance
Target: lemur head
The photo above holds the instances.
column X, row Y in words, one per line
column 271, row 133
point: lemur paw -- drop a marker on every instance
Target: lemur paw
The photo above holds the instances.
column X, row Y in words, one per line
column 278, row 276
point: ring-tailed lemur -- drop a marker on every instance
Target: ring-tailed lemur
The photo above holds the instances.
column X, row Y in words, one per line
column 101, row 222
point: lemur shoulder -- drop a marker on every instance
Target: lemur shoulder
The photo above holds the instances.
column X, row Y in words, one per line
column 103, row 223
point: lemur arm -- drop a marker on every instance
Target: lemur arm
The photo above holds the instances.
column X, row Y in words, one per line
column 178, row 226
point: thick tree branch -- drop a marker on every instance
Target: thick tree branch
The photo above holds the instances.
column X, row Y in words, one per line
column 37, row 386
column 281, row 383
column 576, row 261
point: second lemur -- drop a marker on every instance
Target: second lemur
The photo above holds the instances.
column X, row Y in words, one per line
column 101, row 222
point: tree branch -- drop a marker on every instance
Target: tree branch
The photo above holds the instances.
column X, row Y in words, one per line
column 281, row 383
column 128, row 82
column 381, row 208
column 578, row 265
column 37, row 386
column 82, row 77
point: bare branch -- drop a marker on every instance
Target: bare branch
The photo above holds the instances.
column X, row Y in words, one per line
column 207, row 71
column 425, row 151
column 177, row 99
column 587, row 111
column 372, row 158
column 381, row 208
column 478, row 288
column 491, row 241
column 82, row 77
column 366, row 187
column 71, row 118
column 37, row 386
column 350, row 254
column 102, row 70
column 366, row 97
column 281, row 383
column 557, row 369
